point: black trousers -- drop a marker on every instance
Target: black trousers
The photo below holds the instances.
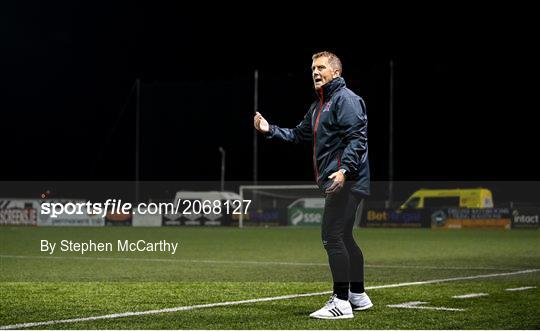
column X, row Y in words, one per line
column 345, row 257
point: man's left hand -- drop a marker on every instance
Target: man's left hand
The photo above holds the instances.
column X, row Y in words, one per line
column 337, row 184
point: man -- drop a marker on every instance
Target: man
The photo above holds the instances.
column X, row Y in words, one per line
column 336, row 124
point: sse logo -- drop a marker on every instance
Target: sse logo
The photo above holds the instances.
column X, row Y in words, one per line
column 303, row 217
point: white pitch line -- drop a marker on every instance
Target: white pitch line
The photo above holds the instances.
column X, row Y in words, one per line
column 231, row 303
column 159, row 260
column 471, row 295
column 382, row 266
column 160, row 311
column 416, row 305
column 436, row 267
column 520, row 288
column 434, row 281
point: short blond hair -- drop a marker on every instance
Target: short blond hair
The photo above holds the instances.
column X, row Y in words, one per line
column 333, row 60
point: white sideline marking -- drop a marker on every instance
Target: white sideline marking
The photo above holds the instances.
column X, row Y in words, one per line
column 159, row 311
column 472, row 295
column 435, row 267
column 453, row 279
column 244, row 262
column 521, row 288
column 416, row 305
column 230, row 303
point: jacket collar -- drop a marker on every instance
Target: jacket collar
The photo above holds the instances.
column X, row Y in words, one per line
column 329, row 88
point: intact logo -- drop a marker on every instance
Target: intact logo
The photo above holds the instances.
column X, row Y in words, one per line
column 327, row 106
column 526, row 219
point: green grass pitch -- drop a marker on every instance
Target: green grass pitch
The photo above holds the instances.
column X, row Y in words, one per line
column 217, row 265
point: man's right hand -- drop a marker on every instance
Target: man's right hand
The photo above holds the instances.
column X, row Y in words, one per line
column 260, row 123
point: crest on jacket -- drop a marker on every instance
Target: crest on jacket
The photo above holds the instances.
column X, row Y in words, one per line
column 327, row 106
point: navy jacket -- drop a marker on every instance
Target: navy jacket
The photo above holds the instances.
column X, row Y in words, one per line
column 336, row 124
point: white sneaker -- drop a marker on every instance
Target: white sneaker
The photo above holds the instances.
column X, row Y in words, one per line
column 360, row 301
column 334, row 309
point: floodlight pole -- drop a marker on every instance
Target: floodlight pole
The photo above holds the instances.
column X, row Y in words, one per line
column 137, row 137
column 391, row 139
column 222, row 151
column 255, row 134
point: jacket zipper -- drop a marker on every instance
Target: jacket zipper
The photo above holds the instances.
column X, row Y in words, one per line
column 315, row 138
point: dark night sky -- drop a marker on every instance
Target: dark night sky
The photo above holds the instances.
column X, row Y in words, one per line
column 465, row 90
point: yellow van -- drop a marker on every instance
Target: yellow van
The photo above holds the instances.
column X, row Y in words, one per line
column 459, row 198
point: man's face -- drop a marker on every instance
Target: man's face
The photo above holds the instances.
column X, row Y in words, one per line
column 322, row 72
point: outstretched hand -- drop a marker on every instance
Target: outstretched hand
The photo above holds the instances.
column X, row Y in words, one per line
column 260, row 123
